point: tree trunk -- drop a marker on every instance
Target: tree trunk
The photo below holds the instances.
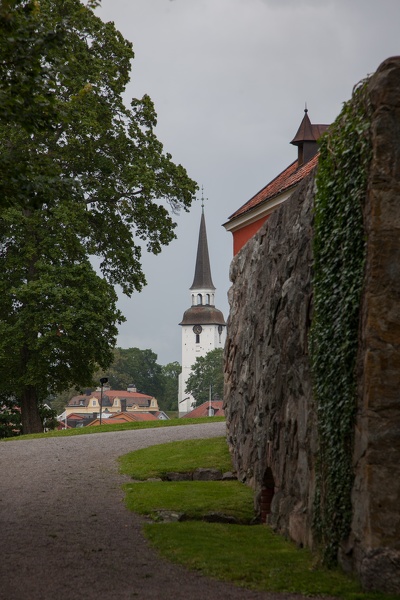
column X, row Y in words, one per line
column 30, row 417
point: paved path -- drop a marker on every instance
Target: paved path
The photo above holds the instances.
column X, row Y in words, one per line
column 65, row 533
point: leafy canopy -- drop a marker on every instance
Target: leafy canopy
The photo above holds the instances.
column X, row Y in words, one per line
column 207, row 371
column 138, row 367
column 81, row 176
column 171, row 372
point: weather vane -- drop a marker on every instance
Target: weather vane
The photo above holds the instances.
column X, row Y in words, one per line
column 202, row 198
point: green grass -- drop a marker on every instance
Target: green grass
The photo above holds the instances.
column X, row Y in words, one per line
column 253, row 557
column 180, row 457
column 111, row 428
column 193, row 498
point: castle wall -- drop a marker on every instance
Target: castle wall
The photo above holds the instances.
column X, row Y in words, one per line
column 269, row 406
column 270, row 417
column 374, row 545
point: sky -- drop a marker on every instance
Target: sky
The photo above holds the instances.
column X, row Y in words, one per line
column 230, row 80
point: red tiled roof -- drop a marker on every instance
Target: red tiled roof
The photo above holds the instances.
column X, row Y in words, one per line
column 128, row 416
column 202, row 410
column 124, row 417
column 290, row 177
column 75, row 417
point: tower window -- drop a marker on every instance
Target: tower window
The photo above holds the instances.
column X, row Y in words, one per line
column 208, row 299
column 197, row 338
column 199, row 299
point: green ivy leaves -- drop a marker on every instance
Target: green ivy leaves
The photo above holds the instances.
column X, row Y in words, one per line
column 339, row 255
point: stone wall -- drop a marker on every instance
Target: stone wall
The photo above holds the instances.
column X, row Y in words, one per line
column 373, row 549
column 271, row 424
column 268, row 390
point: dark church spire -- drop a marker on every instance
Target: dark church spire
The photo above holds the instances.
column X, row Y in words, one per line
column 202, row 274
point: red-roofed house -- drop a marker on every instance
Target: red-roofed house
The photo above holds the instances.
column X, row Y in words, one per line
column 112, row 401
column 207, row 410
column 249, row 218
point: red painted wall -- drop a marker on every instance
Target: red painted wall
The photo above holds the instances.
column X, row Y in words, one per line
column 241, row 236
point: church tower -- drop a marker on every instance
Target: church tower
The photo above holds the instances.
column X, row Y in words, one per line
column 203, row 325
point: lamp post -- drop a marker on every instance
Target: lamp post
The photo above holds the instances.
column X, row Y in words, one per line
column 103, row 380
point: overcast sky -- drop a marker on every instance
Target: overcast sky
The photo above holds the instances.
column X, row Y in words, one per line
column 230, row 79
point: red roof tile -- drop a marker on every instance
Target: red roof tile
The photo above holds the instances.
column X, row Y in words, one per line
column 290, row 177
column 124, row 417
column 202, row 410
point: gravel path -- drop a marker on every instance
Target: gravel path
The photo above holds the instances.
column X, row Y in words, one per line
column 65, row 533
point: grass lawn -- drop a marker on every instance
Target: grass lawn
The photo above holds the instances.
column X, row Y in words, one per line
column 193, row 498
column 181, row 457
column 111, row 428
column 249, row 556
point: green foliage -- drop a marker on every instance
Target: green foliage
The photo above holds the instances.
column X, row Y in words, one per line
column 82, row 176
column 181, row 457
column 207, row 370
column 169, row 399
column 30, row 49
column 60, row 400
column 339, row 255
column 10, row 417
column 48, row 417
column 139, row 367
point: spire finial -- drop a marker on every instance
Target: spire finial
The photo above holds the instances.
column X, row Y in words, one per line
column 305, row 108
column 202, row 199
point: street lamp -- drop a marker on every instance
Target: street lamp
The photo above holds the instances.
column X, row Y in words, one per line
column 210, row 411
column 103, row 380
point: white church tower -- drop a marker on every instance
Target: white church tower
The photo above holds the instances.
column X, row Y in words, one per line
column 203, row 325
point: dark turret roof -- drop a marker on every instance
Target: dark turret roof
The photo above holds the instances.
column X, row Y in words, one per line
column 202, row 274
column 308, row 132
column 203, row 315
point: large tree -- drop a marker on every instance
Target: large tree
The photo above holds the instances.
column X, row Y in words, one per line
column 207, row 376
column 89, row 179
column 171, row 372
column 138, row 367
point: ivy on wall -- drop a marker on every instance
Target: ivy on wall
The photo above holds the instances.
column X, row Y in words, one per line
column 339, row 256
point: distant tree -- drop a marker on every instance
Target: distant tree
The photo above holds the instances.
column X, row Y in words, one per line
column 207, row 371
column 59, row 401
column 138, row 367
column 82, row 175
column 48, row 417
column 171, row 372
